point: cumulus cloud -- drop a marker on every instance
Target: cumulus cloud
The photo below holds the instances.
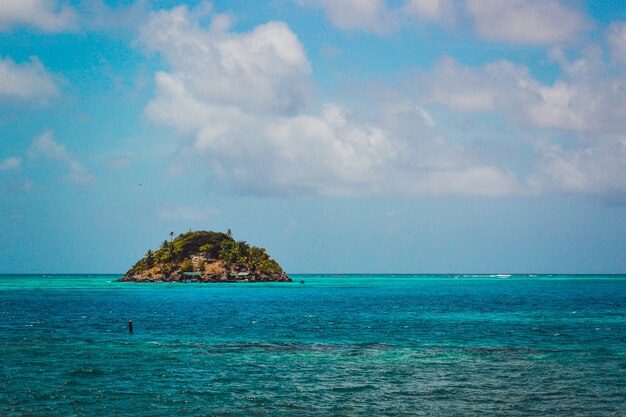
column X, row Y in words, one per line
column 262, row 70
column 45, row 15
column 59, row 16
column 28, row 81
column 432, row 10
column 589, row 97
column 599, row 168
column 47, row 148
column 381, row 16
column 525, row 22
column 535, row 22
column 10, row 164
column 617, row 41
column 238, row 101
column 370, row 15
column 340, row 152
column 585, row 109
column 97, row 15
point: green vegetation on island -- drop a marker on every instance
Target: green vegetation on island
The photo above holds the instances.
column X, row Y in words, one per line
column 206, row 257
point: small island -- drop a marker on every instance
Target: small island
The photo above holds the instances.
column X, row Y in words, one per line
column 206, row 257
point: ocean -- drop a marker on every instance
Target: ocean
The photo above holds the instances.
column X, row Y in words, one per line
column 347, row 345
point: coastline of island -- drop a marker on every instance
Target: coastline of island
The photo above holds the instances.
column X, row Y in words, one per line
column 204, row 256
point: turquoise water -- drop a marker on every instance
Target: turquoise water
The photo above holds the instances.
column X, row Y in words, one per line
column 337, row 345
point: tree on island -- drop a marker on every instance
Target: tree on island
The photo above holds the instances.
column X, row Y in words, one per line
column 215, row 255
column 150, row 258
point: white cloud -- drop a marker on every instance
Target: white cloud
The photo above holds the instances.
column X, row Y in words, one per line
column 370, row 15
column 585, row 109
column 59, row 16
column 597, row 168
column 45, row 15
column 97, row 15
column 188, row 213
column 46, row 147
column 27, row 81
column 588, row 98
column 253, row 143
column 526, row 22
column 433, row 10
column 341, row 152
column 10, row 164
column 534, row 22
column 262, row 70
column 506, row 88
column 617, row 40
column 382, row 16
column 476, row 90
column 483, row 181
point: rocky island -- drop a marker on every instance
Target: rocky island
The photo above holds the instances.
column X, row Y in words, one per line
column 206, row 257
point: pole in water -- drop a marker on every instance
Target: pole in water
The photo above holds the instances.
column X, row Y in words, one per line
column 130, row 326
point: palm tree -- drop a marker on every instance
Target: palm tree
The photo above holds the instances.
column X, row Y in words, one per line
column 167, row 251
column 171, row 236
column 150, row 258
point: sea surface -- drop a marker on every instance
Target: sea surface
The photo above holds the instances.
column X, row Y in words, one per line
column 379, row 345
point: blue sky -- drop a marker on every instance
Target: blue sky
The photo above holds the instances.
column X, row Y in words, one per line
column 390, row 136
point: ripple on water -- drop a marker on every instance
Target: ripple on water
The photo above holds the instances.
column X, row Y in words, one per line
column 401, row 345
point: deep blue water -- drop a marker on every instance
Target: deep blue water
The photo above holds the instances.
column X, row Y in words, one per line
column 337, row 345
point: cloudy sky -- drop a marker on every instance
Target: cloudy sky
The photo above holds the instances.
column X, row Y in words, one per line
column 343, row 135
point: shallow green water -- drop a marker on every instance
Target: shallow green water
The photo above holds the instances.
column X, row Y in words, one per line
column 339, row 344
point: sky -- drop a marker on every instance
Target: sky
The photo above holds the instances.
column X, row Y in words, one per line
column 345, row 136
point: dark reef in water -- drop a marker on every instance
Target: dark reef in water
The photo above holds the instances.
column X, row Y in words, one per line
column 206, row 257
